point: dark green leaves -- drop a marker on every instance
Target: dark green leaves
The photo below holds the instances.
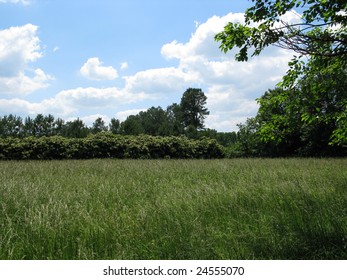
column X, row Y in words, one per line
column 107, row 145
column 322, row 31
column 193, row 108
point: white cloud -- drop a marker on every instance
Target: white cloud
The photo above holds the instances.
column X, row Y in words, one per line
column 24, row 2
column 124, row 65
column 94, row 70
column 18, row 106
column 231, row 87
column 202, row 41
column 23, row 84
column 160, row 80
column 73, row 102
column 124, row 114
column 98, row 97
column 20, row 46
column 89, row 120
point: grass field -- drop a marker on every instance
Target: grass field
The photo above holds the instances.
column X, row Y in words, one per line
column 174, row 209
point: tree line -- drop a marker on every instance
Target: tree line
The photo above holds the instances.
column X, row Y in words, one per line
column 183, row 119
column 304, row 115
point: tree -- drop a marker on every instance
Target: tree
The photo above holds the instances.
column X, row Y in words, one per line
column 75, row 129
column 98, row 126
column 11, row 125
column 28, row 127
column 249, row 143
column 154, row 121
column 132, row 126
column 40, row 126
column 193, row 108
column 322, row 31
column 58, row 126
column 308, row 119
column 175, row 119
column 114, row 126
column 308, row 113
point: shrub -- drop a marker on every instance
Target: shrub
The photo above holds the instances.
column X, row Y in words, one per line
column 106, row 145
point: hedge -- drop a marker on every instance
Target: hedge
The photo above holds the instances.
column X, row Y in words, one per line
column 107, row 145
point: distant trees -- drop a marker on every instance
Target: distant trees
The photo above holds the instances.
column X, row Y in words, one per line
column 75, row 129
column 183, row 120
column 11, row 125
column 186, row 118
column 114, row 126
column 98, row 126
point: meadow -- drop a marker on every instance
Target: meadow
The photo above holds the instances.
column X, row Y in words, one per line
column 174, row 209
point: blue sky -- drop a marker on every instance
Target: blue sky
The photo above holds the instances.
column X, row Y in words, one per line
column 112, row 58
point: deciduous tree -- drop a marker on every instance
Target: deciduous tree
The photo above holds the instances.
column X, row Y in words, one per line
column 193, row 108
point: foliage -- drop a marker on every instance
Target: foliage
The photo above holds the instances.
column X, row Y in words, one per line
column 249, row 143
column 178, row 119
column 154, row 121
column 193, row 108
column 107, row 145
column 306, row 115
column 114, row 126
column 10, row 126
column 308, row 118
column 99, row 126
column 322, row 31
column 75, row 129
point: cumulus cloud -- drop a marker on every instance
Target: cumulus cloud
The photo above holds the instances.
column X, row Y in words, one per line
column 202, row 41
column 92, row 97
column 159, row 81
column 20, row 46
column 73, row 101
column 23, row 84
column 94, row 70
column 231, row 87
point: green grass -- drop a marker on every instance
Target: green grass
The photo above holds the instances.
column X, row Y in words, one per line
column 174, row 209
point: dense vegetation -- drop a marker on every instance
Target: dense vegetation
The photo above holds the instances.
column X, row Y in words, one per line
column 307, row 113
column 106, row 145
column 193, row 209
column 186, row 118
column 174, row 209
column 177, row 132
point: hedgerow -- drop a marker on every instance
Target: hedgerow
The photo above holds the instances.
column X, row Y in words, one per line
column 107, row 145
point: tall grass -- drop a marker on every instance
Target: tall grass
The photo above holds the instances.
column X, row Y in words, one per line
column 174, row 209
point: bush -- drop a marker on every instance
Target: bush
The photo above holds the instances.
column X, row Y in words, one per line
column 106, row 145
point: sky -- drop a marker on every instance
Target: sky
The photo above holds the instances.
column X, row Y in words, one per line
column 113, row 58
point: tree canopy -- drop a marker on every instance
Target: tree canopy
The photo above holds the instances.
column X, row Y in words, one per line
column 321, row 31
column 193, row 108
column 307, row 113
